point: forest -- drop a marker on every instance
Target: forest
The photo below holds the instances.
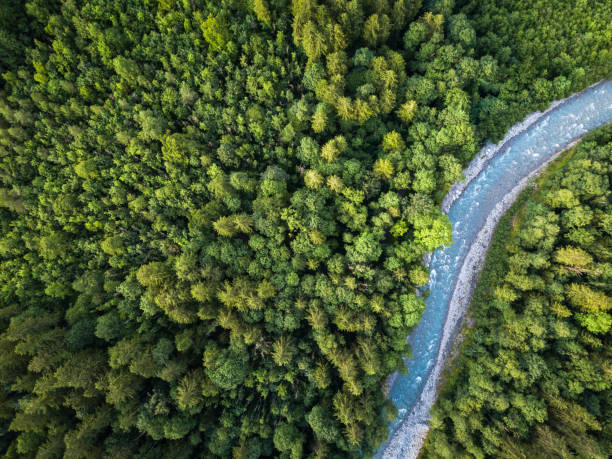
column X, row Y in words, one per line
column 533, row 376
column 213, row 214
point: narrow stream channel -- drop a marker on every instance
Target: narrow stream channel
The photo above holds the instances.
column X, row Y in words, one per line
column 493, row 180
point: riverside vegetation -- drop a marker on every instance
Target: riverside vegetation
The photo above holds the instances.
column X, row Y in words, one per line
column 533, row 378
column 213, row 213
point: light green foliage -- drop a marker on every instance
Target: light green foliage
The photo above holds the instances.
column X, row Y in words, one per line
column 86, row 169
column 320, row 118
column 262, row 11
column 215, row 31
column 383, row 167
column 407, row 111
column 433, row 232
column 376, row 29
column 313, row 179
column 113, row 245
column 392, row 141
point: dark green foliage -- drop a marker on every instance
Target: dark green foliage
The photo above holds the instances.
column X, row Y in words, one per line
column 533, row 377
column 17, row 32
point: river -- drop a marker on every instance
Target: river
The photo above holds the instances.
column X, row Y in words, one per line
column 492, row 182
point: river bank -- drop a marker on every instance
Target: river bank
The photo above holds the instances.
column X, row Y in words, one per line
column 521, row 310
column 496, row 248
column 493, row 181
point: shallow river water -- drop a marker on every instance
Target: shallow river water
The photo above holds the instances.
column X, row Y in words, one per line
column 493, row 180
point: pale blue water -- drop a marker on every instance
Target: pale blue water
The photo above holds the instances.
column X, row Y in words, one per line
column 524, row 153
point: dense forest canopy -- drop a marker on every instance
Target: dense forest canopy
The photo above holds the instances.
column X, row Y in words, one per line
column 213, row 214
column 533, row 378
column 543, row 49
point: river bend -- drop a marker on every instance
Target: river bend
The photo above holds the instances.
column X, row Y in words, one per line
column 492, row 181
